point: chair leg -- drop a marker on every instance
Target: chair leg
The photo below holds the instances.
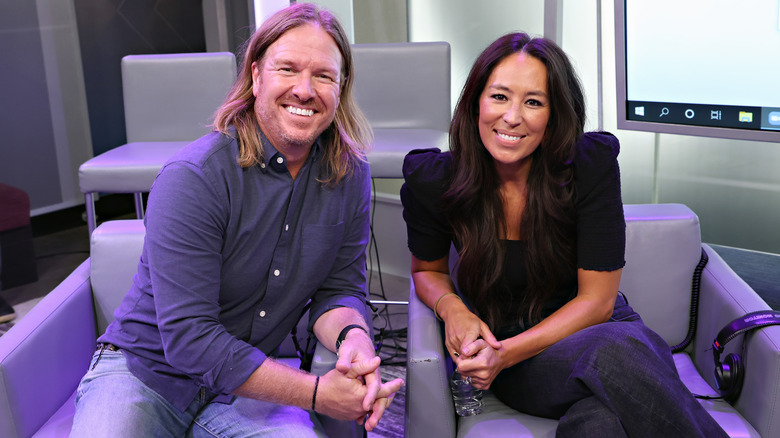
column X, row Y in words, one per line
column 139, row 205
column 91, row 219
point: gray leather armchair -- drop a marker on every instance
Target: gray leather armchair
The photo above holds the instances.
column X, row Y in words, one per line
column 44, row 356
column 663, row 248
column 404, row 91
column 169, row 101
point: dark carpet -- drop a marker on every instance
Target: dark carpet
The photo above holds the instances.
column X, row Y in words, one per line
column 392, row 423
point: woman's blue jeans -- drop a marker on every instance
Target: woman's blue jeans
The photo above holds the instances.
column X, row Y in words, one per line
column 609, row 380
column 111, row 402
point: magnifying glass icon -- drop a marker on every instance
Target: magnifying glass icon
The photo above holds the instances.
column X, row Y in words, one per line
column 664, row 111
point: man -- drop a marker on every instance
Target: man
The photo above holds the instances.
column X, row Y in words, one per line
column 243, row 228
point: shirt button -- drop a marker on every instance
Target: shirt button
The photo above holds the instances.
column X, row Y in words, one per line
column 279, row 160
column 286, row 227
column 276, row 273
column 262, row 165
column 262, row 314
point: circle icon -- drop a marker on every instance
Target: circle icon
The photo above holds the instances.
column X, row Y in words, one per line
column 689, row 113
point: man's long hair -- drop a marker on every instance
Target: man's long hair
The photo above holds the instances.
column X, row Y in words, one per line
column 474, row 205
column 345, row 140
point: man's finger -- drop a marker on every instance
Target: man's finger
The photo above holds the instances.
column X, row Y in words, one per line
column 363, row 367
column 344, row 362
column 380, row 405
column 373, row 380
column 389, row 388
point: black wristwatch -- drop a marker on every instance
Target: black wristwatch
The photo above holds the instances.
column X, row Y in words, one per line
column 344, row 332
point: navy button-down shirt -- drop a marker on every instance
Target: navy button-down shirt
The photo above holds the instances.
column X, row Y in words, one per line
column 230, row 258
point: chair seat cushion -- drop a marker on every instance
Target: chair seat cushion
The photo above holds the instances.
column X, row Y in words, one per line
column 60, row 423
column 727, row 417
column 130, row 168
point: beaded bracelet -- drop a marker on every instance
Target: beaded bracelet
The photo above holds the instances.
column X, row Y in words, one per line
column 435, row 306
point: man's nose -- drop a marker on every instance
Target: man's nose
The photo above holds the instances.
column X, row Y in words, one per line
column 303, row 89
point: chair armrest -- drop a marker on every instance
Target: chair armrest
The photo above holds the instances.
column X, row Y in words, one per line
column 44, row 356
column 429, row 408
column 323, row 361
column 725, row 297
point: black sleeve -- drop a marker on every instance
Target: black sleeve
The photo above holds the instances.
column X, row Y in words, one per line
column 426, row 175
column 601, row 226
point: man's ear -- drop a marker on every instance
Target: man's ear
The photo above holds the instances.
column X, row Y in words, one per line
column 256, row 75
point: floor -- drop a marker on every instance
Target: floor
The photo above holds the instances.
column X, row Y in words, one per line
column 61, row 245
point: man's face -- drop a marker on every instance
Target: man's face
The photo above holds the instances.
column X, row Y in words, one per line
column 297, row 86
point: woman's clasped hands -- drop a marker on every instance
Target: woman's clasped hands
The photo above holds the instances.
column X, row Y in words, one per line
column 474, row 349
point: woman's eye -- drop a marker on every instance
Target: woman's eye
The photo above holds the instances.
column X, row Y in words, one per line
column 498, row 97
column 534, row 102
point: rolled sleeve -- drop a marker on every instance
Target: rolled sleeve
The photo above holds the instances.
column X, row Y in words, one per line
column 184, row 249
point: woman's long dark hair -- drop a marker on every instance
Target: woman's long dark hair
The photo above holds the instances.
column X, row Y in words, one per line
column 473, row 202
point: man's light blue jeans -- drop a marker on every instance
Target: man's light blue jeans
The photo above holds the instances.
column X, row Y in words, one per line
column 111, row 402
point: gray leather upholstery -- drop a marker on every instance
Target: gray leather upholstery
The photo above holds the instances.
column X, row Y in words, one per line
column 404, row 91
column 44, row 356
column 169, row 101
column 663, row 247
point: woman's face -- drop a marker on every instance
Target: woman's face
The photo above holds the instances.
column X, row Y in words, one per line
column 514, row 109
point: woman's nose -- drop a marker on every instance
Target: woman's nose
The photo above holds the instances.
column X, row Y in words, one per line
column 513, row 115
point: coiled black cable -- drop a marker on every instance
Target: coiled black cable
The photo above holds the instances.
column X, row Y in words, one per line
column 694, row 313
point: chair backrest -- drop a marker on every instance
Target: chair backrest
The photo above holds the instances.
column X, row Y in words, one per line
column 403, row 85
column 663, row 247
column 173, row 97
column 115, row 250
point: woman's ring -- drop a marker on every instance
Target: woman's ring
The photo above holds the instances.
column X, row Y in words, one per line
column 467, row 380
column 456, row 354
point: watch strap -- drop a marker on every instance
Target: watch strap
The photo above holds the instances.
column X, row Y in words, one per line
column 344, row 332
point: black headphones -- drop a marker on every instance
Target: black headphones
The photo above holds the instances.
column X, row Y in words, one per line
column 730, row 374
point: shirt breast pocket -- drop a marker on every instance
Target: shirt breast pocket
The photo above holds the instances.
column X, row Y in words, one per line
column 319, row 250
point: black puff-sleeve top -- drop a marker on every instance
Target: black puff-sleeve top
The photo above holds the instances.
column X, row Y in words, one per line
column 598, row 205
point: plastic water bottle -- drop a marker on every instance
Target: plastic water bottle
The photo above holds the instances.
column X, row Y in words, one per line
column 467, row 399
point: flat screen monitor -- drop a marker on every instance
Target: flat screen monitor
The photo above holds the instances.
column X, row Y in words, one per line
column 699, row 67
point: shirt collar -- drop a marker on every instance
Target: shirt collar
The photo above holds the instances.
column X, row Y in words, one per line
column 271, row 155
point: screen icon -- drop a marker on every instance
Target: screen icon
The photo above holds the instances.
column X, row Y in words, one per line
column 774, row 118
column 715, row 115
column 745, row 117
column 640, row 111
column 689, row 113
column 664, row 112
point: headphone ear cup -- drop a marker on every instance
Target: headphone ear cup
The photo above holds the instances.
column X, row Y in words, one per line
column 728, row 376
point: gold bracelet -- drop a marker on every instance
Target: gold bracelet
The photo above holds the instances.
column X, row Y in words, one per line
column 435, row 306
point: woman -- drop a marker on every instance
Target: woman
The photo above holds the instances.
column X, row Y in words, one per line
column 533, row 207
